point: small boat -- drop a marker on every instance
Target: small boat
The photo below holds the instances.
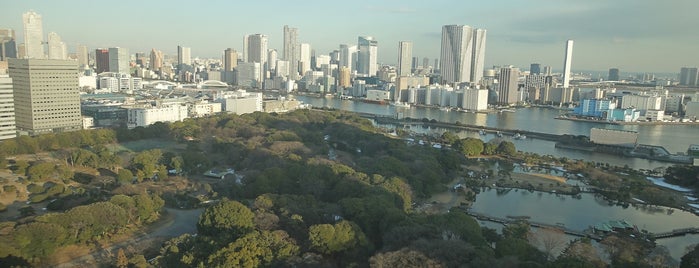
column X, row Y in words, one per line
column 498, row 134
column 518, row 136
column 482, row 132
column 446, row 109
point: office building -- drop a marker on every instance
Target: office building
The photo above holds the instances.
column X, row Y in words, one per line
column 508, row 87
column 184, row 55
column 8, row 45
column 57, row 48
column 145, row 116
column 119, row 60
column 367, row 56
column 156, row 60
column 257, row 52
column 8, row 129
column 83, row 57
column 462, row 54
column 230, row 59
column 344, row 77
column 688, row 76
column 348, row 57
column 101, row 60
column 46, row 95
column 33, row 35
column 291, row 50
column 247, row 74
column 405, row 53
column 567, row 63
column 534, row 69
column 613, row 74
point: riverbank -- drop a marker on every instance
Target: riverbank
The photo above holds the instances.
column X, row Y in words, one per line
column 643, row 123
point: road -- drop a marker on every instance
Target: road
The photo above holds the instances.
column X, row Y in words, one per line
column 179, row 222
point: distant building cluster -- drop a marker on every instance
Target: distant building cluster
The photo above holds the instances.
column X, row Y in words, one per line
column 45, row 86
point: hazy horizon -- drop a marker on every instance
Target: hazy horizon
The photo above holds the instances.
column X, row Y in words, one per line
column 634, row 36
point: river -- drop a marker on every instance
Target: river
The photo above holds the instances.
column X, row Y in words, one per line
column 551, row 208
column 675, row 138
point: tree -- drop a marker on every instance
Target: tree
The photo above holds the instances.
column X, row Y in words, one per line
column 121, row 260
column 549, row 240
column 334, row 238
column 691, row 259
column 256, row 249
column 449, row 137
column 470, row 146
column 506, row 148
column 518, row 230
column 125, row 176
column 403, row 258
column 38, row 239
column 229, row 217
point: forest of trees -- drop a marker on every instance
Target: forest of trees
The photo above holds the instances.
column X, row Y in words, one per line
column 294, row 205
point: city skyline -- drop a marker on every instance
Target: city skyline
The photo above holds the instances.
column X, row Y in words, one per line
column 604, row 36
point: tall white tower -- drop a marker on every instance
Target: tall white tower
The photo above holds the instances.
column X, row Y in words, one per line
column 33, row 35
column 478, row 60
column 405, row 56
column 566, row 63
column 457, row 53
column 57, row 48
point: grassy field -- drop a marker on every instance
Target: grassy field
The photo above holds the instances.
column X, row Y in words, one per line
column 142, row 145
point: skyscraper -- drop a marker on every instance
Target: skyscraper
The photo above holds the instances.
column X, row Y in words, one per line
column 463, row 54
column 46, row 95
column 184, row 55
column 7, row 109
column 156, row 60
column 348, row 57
column 271, row 60
column 567, row 63
column 291, row 50
column 57, row 48
column 507, row 90
column 230, row 59
column 688, row 76
column 101, row 60
column 83, row 58
column 33, row 35
column 478, row 60
column 405, row 49
column 613, row 74
column 8, row 45
column 119, row 60
column 257, row 52
column 304, row 58
column 367, row 56
column 534, row 69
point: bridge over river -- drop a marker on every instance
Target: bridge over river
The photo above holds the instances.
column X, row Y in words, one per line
column 505, row 221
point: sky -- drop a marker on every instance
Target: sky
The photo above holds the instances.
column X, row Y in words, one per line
column 632, row 35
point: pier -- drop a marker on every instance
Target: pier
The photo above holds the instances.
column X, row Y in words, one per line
column 509, row 220
column 506, row 221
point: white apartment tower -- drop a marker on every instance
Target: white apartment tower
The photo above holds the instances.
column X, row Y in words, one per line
column 405, row 56
column 33, row 35
column 367, row 56
column 304, row 58
column 83, row 58
column 567, row 63
column 184, row 55
column 46, row 95
column 8, row 129
column 508, row 91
